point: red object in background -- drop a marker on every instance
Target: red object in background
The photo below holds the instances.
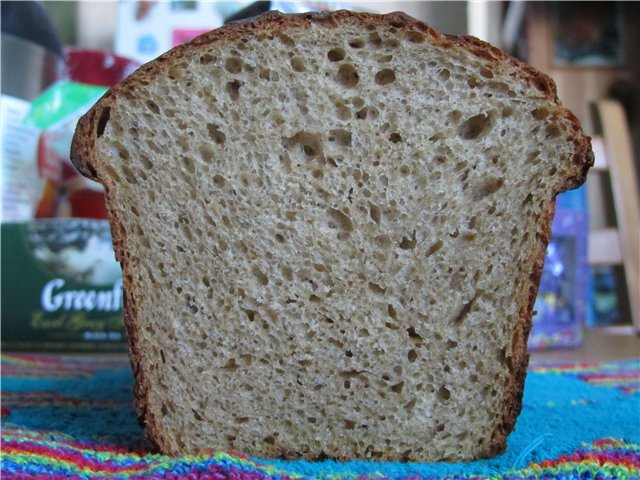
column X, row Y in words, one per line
column 85, row 197
column 86, row 203
column 95, row 67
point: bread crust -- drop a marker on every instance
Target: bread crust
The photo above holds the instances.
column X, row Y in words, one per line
column 91, row 126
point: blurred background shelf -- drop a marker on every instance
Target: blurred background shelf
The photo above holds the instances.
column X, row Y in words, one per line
column 603, row 344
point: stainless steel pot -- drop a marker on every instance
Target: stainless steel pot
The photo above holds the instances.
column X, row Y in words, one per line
column 27, row 68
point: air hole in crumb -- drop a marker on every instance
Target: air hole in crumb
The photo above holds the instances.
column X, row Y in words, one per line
column 392, row 312
column 233, row 89
column 540, row 113
column 233, row 64
column 444, row 74
column 347, row 75
column 488, row 186
column 297, row 64
column 504, row 359
column 444, row 394
column 266, row 74
column 375, row 39
column 377, row 289
column 468, row 237
column 464, row 311
column 486, row 73
column 395, row 138
column 455, row 116
column 216, row 134
column 123, row 153
column 397, row 388
column 206, row 153
column 340, row 220
column 385, row 76
column 188, row 164
column 413, row 334
column 375, row 213
column 286, row 40
column 269, row 440
column 129, row 175
column 553, row 131
column 507, row 112
column 356, row 43
column 341, row 137
column 207, row 58
column 287, row 272
column 336, row 54
column 259, row 274
column 231, row 365
column 197, row 415
column 474, row 127
column 415, row 37
column 153, row 106
column 392, row 43
column 412, row 356
column 309, row 142
column 408, row 243
column 218, row 181
column 103, row 120
column 349, row 424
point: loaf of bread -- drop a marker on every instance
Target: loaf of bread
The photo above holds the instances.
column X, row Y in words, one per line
column 331, row 228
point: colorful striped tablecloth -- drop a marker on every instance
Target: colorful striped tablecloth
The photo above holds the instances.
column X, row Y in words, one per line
column 72, row 417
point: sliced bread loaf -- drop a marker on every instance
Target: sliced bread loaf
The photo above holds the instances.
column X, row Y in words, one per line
column 331, row 228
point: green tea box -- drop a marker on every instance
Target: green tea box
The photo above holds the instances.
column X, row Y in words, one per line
column 61, row 287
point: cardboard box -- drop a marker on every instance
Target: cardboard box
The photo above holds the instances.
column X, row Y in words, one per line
column 561, row 305
column 61, row 287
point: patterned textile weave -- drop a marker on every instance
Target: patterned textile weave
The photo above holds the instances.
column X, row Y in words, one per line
column 72, row 417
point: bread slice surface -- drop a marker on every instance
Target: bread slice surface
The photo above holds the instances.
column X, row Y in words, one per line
column 332, row 228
